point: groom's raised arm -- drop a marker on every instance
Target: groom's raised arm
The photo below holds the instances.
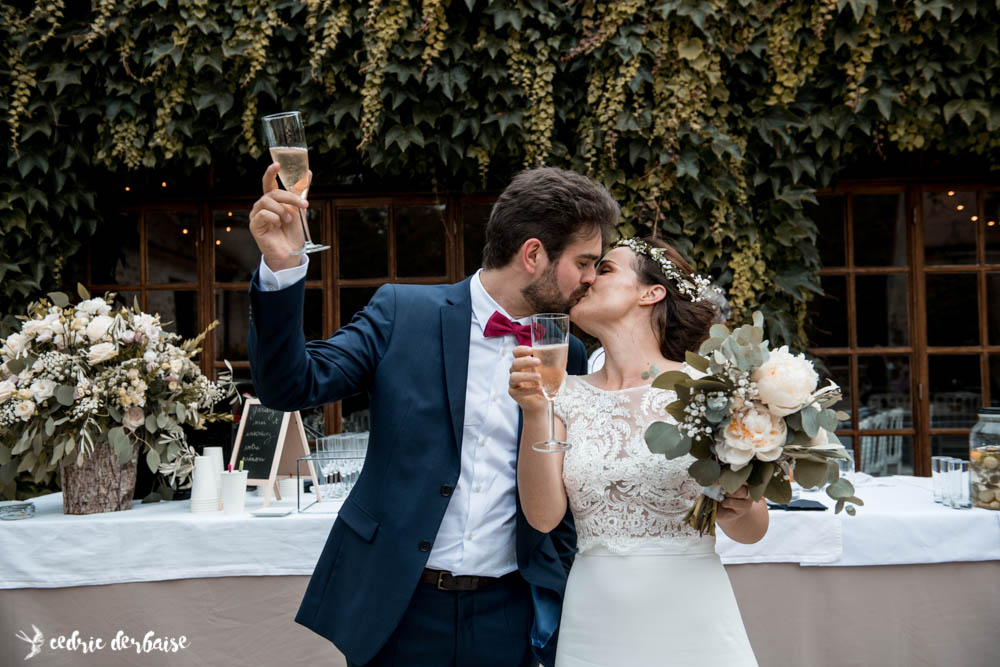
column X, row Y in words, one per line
column 291, row 374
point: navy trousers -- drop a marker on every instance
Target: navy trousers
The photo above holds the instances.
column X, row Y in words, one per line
column 485, row 628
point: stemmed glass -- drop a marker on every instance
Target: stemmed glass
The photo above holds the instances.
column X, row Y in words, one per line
column 550, row 345
column 286, row 139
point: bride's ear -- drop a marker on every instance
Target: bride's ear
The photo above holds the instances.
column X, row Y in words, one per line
column 652, row 294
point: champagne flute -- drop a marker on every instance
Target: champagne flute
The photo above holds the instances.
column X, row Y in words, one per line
column 286, row 139
column 550, row 345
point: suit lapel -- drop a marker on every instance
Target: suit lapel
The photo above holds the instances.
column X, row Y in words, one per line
column 456, row 319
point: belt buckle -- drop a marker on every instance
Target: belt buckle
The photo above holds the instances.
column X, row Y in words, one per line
column 440, row 579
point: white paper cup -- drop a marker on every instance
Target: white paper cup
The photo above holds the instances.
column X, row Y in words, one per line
column 234, row 491
column 203, row 490
column 215, row 453
column 286, row 486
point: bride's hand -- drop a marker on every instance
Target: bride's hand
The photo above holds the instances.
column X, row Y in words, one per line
column 526, row 384
column 735, row 505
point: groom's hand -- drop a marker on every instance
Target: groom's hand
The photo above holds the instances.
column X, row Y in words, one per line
column 275, row 225
column 525, row 382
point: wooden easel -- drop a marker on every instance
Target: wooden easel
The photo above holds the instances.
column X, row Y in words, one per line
column 290, row 444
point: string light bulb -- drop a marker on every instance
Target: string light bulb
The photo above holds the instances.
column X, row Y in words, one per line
column 974, row 218
column 128, row 189
column 960, row 207
column 230, row 214
column 991, row 223
column 163, row 184
column 951, row 193
column 229, row 229
column 184, row 231
column 218, row 242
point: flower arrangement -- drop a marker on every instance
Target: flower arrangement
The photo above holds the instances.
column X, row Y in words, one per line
column 753, row 416
column 74, row 375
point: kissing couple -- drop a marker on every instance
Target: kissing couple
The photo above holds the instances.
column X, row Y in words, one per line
column 461, row 545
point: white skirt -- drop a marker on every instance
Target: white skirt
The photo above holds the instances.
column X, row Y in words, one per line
column 651, row 608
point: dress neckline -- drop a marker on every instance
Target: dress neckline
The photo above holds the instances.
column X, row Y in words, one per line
column 686, row 368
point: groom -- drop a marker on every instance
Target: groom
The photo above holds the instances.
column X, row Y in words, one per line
column 430, row 561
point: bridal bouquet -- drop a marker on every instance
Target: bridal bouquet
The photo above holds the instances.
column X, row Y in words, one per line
column 757, row 417
column 77, row 375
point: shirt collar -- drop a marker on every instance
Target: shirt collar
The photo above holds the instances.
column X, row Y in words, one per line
column 483, row 305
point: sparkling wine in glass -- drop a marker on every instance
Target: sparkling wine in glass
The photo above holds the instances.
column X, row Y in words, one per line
column 550, row 345
column 286, row 139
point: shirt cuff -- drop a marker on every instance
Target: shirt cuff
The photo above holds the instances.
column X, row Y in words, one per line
column 272, row 281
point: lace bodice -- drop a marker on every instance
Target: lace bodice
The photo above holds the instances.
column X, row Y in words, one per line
column 623, row 496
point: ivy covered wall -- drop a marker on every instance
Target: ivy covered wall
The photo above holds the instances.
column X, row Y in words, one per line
column 712, row 120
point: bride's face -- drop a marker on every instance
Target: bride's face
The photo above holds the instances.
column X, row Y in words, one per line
column 614, row 293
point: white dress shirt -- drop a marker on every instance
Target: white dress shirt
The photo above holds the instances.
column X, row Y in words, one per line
column 478, row 533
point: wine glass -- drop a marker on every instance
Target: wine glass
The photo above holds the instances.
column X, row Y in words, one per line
column 286, row 139
column 550, row 345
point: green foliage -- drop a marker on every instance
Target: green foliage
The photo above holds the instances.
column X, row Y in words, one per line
column 712, row 121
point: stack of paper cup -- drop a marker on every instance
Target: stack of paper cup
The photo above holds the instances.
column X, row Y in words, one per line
column 286, row 486
column 216, row 455
column 204, row 495
column 234, row 491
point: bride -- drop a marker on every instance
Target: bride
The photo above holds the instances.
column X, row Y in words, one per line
column 645, row 588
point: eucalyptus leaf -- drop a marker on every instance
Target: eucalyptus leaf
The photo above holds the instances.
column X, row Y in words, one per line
column 82, row 291
column 151, row 424
column 733, row 479
column 779, row 490
column 705, row 471
column 15, row 366
column 664, row 438
column 670, row 379
column 810, row 421
column 50, row 426
column 760, row 477
column 696, row 361
column 810, row 474
column 58, row 299
column 64, row 395
column 153, row 459
column 840, row 489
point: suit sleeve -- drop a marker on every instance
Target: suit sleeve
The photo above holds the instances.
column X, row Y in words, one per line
column 291, row 374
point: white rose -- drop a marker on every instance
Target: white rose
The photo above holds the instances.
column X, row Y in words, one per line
column 101, row 352
column 24, row 410
column 98, row 328
column 95, row 306
column 32, row 328
column 79, row 322
column 752, row 431
column 785, row 382
column 14, row 345
column 176, row 366
column 134, row 418
column 7, row 389
column 43, row 388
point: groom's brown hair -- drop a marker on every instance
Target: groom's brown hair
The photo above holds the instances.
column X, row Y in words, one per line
column 553, row 205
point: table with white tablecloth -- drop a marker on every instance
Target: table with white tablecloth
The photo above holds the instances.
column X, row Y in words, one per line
column 905, row 582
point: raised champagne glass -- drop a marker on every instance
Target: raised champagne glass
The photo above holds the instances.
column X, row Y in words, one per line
column 550, row 345
column 286, row 139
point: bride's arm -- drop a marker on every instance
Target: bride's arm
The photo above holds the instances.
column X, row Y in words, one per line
column 539, row 474
column 741, row 518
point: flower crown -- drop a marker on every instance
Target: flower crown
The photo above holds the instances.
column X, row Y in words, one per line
column 693, row 286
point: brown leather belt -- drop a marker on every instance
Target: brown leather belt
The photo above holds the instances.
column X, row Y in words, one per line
column 445, row 581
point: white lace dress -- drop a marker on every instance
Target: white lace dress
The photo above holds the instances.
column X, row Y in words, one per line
column 645, row 588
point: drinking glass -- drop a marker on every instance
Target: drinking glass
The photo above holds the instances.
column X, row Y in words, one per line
column 550, row 345
column 286, row 139
column 938, row 470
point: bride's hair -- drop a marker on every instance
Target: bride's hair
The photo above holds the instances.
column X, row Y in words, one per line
column 680, row 323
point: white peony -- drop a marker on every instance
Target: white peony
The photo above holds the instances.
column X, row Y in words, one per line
column 7, row 389
column 176, row 366
column 14, row 345
column 133, row 418
column 752, row 431
column 101, row 352
column 24, row 410
column 147, row 325
column 43, row 389
column 95, row 306
column 785, row 382
column 97, row 330
column 149, row 357
column 43, row 329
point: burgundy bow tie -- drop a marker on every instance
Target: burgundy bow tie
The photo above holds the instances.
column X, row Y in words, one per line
column 501, row 326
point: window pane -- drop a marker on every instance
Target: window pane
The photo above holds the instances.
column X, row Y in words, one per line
column 126, row 298
column 848, row 442
column 991, row 211
column 949, row 231
column 178, row 311
column 882, row 310
column 315, row 270
column 171, row 247
column 952, row 310
column 880, row 230
column 950, row 445
column 362, row 239
column 995, row 380
column 884, row 399
column 993, row 308
column 955, row 390
column 353, row 299
column 114, row 252
column 474, row 219
column 830, row 224
column 420, row 241
column 236, row 253
column 312, row 315
column 827, row 321
column 232, row 309
column 885, row 454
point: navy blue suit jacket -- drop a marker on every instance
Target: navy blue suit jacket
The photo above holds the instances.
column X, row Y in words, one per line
column 409, row 351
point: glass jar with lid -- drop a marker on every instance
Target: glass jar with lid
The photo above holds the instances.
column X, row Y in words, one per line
column 984, row 457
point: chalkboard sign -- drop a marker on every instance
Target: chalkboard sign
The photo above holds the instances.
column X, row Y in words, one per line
column 260, row 431
column 269, row 442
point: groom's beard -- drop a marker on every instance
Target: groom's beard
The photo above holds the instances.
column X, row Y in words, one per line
column 543, row 295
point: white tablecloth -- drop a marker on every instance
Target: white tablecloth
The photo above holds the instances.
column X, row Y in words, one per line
column 899, row 524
